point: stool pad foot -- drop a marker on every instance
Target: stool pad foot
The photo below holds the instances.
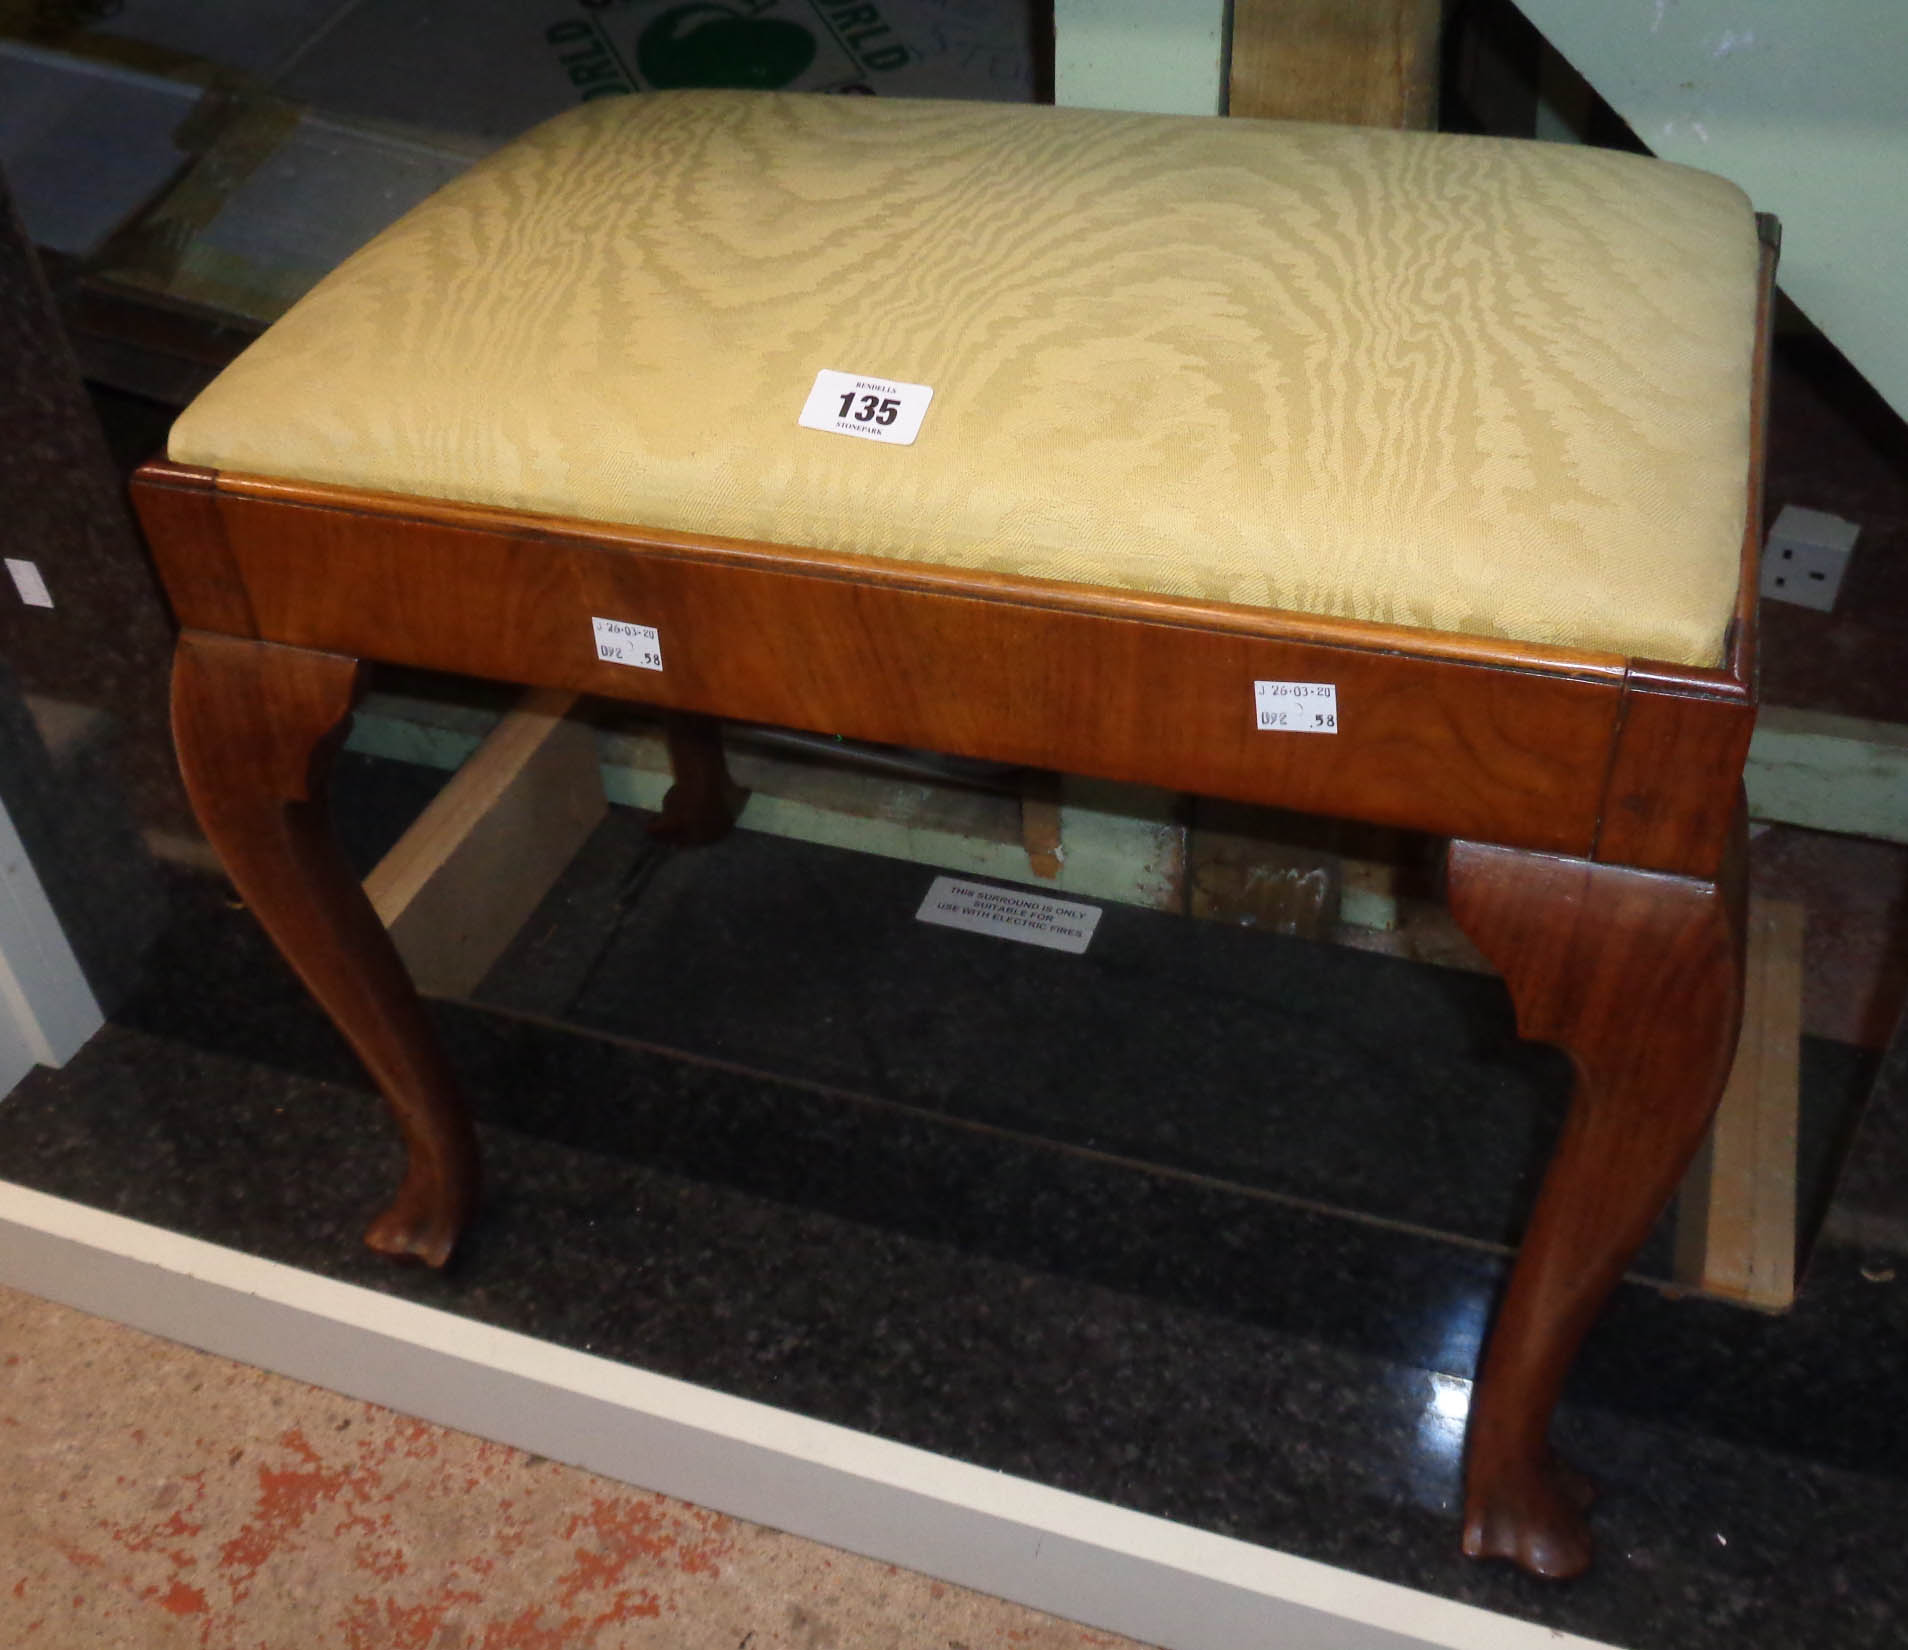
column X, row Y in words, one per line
column 256, row 726
column 1638, row 977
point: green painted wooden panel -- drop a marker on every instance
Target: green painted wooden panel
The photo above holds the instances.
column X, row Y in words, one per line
column 1832, row 773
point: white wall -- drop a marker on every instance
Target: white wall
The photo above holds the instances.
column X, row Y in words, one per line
column 1805, row 105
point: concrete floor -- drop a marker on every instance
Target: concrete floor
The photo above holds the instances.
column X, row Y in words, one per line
column 158, row 1496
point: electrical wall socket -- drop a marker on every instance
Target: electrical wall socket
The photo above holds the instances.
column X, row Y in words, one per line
column 1806, row 556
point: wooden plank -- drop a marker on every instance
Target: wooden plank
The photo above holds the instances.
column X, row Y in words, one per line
column 1830, row 773
column 1262, row 868
column 1138, row 54
column 1040, row 822
column 1735, row 1221
column 471, row 869
column 1360, row 62
column 1112, row 842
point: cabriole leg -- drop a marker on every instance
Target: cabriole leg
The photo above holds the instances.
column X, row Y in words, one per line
column 1638, row 977
column 256, row 727
column 704, row 802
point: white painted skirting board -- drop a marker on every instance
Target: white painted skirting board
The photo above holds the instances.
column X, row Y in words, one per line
column 1155, row 1581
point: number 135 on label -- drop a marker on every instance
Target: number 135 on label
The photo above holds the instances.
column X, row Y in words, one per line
column 1295, row 707
column 876, row 409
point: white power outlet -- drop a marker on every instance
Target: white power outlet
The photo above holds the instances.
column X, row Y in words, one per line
column 1806, row 556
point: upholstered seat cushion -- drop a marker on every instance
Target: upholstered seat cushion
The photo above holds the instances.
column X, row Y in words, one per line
column 1480, row 386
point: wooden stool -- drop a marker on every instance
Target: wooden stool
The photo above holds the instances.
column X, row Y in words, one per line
column 1403, row 477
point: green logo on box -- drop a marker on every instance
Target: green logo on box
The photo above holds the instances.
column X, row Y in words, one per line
column 706, row 44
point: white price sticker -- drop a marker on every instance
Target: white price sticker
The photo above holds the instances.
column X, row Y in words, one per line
column 876, row 409
column 618, row 643
column 1296, row 707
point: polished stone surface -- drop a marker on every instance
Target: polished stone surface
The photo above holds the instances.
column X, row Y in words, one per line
column 1194, row 1046
column 1342, row 1080
column 1187, row 1344
column 106, row 641
column 68, row 806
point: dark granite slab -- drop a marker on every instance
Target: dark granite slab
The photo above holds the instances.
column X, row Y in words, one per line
column 107, row 640
column 1299, row 1069
column 63, row 794
column 1380, row 1089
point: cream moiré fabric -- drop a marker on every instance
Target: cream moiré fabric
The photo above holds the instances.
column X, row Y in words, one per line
column 1490, row 387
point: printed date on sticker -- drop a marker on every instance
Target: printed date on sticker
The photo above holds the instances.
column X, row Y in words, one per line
column 1295, row 707
column 876, row 409
column 637, row 645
